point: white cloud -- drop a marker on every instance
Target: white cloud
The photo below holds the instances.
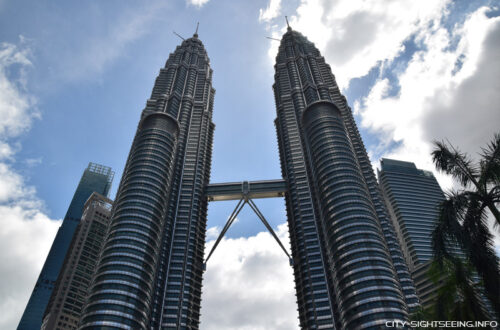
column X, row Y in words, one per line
column 272, row 11
column 11, row 185
column 26, row 233
column 437, row 100
column 249, row 284
column 32, row 162
column 197, row 3
column 355, row 35
column 16, row 108
column 6, row 151
column 212, row 233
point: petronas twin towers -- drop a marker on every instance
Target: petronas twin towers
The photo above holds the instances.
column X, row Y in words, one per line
column 348, row 266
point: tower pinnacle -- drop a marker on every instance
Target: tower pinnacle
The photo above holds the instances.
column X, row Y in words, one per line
column 288, row 24
column 195, row 35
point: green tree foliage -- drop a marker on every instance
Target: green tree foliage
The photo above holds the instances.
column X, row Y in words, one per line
column 463, row 222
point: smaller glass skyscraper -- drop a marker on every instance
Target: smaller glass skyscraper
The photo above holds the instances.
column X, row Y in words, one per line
column 95, row 178
column 413, row 197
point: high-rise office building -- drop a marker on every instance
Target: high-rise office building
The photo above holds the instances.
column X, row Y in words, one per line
column 349, row 269
column 71, row 289
column 413, row 197
column 151, row 267
column 96, row 178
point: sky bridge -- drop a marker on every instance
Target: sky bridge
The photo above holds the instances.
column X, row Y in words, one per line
column 250, row 189
column 245, row 192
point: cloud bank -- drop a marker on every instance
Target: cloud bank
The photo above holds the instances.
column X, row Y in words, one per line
column 446, row 92
column 272, row 11
column 249, row 284
column 26, row 233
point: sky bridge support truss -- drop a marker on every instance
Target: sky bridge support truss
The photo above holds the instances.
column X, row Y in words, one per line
column 245, row 192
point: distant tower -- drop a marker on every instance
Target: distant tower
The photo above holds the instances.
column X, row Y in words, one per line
column 96, row 178
column 348, row 266
column 413, row 197
column 71, row 289
column 149, row 275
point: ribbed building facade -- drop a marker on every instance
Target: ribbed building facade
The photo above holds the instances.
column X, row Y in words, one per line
column 69, row 295
column 95, row 178
column 348, row 266
column 413, row 197
column 149, row 274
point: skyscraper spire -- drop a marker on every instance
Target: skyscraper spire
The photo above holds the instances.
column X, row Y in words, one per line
column 288, row 24
column 195, row 35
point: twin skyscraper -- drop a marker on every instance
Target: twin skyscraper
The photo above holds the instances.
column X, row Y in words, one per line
column 348, row 266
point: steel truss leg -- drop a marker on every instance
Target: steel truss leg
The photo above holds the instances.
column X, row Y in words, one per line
column 229, row 222
column 231, row 219
column 269, row 228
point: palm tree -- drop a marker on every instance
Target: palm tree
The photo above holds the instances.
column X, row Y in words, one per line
column 458, row 297
column 463, row 215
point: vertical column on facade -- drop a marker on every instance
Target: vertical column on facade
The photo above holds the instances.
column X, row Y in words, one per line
column 160, row 96
column 401, row 268
column 311, row 268
column 367, row 292
column 182, row 268
column 180, row 107
column 122, row 289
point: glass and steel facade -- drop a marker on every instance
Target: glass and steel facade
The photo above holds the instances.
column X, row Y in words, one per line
column 348, row 266
column 150, row 271
column 413, row 197
column 95, row 178
column 70, row 292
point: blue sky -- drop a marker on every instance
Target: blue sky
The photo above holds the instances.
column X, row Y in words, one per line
column 74, row 77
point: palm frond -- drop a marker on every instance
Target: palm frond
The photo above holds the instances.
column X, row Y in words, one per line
column 490, row 170
column 454, row 163
column 457, row 297
column 471, row 302
column 462, row 223
column 481, row 251
column 448, row 231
